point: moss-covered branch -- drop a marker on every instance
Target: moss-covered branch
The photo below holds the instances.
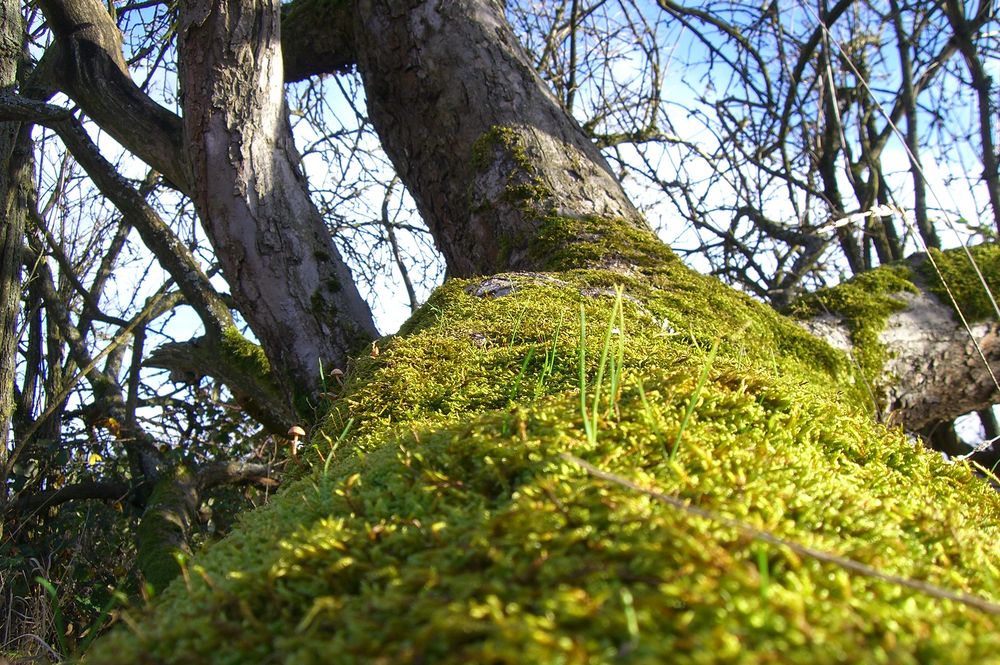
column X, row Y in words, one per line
column 919, row 362
column 236, row 362
column 162, row 538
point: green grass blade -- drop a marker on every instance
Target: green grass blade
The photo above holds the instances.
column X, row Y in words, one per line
column 694, row 397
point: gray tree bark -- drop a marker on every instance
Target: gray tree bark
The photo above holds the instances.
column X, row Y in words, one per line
column 243, row 171
column 89, row 67
column 932, row 371
column 287, row 276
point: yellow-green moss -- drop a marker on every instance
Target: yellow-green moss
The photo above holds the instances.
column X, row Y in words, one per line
column 963, row 282
column 864, row 303
column 504, row 138
column 445, row 526
column 245, row 355
column 568, row 242
column 560, row 242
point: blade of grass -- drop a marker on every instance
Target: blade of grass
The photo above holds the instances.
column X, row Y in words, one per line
column 603, row 363
column 582, row 361
column 57, row 618
column 648, row 409
column 694, row 396
column 334, row 445
column 549, row 365
column 516, row 388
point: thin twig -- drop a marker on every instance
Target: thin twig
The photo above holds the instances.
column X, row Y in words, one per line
column 851, row 565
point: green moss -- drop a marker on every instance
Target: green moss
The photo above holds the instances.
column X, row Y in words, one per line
column 865, row 303
column 524, row 189
column 526, row 193
column 444, row 526
column 559, row 242
column 505, row 139
column 965, row 285
column 568, row 242
column 162, row 531
column 245, row 355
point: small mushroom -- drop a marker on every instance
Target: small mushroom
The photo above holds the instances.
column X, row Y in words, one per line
column 338, row 375
column 295, row 433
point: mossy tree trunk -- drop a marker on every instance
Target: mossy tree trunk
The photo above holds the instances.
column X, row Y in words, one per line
column 482, row 144
column 444, row 518
column 505, row 178
column 507, row 181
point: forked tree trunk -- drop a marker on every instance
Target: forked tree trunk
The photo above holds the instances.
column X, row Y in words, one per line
column 241, row 170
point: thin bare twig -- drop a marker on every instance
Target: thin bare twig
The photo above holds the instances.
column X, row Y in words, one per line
column 851, row 565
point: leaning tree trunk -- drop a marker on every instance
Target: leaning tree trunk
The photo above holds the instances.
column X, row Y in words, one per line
column 480, row 524
column 287, row 277
column 486, row 150
column 494, row 163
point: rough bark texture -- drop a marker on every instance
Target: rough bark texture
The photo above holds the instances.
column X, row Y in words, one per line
column 287, row 277
column 283, row 269
column 935, row 372
column 15, row 151
column 483, row 146
column 920, row 363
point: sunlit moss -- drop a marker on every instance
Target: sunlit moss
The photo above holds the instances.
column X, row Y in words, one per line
column 963, row 282
column 445, row 527
column 567, row 242
column 865, row 304
column 244, row 354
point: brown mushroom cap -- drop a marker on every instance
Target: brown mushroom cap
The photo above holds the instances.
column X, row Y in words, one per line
column 296, row 431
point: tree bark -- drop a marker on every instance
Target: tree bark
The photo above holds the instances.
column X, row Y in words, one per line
column 284, row 271
column 317, row 37
column 485, row 149
column 162, row 537
column 287, row 276
column 935, row 372
column 15, row 175
column 932, row 371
